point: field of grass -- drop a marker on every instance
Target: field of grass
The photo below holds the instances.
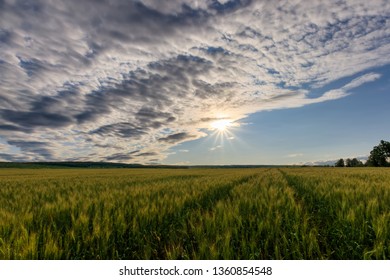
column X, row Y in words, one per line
column 285, row 213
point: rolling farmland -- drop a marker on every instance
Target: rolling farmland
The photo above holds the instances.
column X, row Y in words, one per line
column 274, row 213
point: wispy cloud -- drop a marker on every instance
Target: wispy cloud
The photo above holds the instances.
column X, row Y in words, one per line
column 332, row 162
column 216, row 148
column 370, row 77
column 295, row 155
column 127, row 80
column 345, row 90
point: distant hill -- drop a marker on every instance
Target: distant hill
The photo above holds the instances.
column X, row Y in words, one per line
column 115, row 165
column 68, row 165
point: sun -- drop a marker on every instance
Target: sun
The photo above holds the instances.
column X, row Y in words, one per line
column 221, row 125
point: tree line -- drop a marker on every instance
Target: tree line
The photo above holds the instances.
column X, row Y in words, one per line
column 379, row 157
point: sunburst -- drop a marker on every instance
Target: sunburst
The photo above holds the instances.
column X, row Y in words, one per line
column 221, row 125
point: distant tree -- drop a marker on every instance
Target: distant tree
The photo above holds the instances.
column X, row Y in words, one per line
column 356, row 163
column 353, row 162
column 380, row 155
column 340, row 163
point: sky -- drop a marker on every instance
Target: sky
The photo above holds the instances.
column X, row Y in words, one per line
column 193, row 82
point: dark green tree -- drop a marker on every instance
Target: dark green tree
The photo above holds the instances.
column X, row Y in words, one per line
column 340, row 163
column 353, row 162
column 356, row 163
column 380, row 155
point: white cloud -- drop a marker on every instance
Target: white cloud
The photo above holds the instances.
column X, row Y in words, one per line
column 216, row 148
column 183, row 163
column 370, row 77
column 103, row 80
column 295, row 155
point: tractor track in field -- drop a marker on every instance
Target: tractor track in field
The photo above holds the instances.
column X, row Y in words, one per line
column 332, row 232
column 317, row 212
column 171, row 223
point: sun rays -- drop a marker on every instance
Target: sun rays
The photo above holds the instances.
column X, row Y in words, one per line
column 221, row 125
column 223, row 129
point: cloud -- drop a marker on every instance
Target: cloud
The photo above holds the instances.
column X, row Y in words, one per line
column 124, row 130
column 34, row 119
column 118, row 157
column 333, row 162
column 344, row 91
column 370, row 77
column 34, row 147
column 99, row 80
column 148, row 154
column 183, row 163
column 12, row 157
column 295, row 155
column 216, row 148
column 176, row 138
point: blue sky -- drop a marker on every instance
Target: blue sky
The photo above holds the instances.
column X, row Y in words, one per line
column 152, row 81
column 314, row 134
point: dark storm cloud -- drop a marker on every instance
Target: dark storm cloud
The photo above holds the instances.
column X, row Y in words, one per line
column 5, row 36
column 215, row 51
column 64, row 101
column 146, row 16
column 23, row 144
column 97, row 105
column 123, row 21
column 147, row 154
column 124, row 130
column 156, row 85
column 32, row 67
column 35, row 119
column 209, row 119
column 144, row 19
column 181, row 65
column 118, row 157
column 206, row 90
column 8, row 127
column 45, row 111
column 229, row 6
column 147, row 113
column 12, row 157
column 175, row 138
column 149, row 117
column 41, row 149
column 173, row 79
column 341, row 33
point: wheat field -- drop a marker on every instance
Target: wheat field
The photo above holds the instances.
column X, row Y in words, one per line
column 200, row 213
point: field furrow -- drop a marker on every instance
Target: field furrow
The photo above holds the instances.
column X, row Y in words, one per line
column 351, row 215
